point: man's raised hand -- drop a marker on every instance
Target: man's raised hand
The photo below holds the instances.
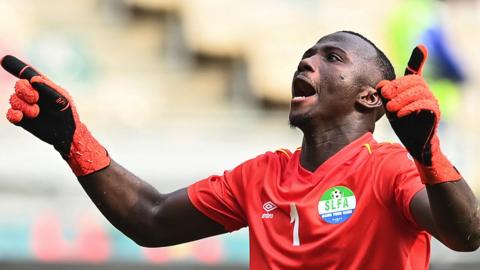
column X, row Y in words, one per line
column 414, row 114
column 47, row 111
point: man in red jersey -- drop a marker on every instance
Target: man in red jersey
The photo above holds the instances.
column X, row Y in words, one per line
column 341, row 201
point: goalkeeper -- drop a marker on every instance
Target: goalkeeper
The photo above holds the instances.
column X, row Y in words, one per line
column 340, row 201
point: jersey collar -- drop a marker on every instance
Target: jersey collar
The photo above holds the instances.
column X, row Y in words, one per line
column 363, row 143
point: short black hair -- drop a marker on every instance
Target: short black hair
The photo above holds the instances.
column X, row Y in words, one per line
column 383, row 63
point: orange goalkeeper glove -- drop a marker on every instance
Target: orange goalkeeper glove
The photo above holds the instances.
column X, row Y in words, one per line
column 414, row 114
column 48, row 112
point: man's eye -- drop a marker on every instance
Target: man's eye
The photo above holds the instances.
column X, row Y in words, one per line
column 333, row 58
column 307, row 54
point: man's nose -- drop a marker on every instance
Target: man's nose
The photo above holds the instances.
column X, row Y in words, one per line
column 306, row 65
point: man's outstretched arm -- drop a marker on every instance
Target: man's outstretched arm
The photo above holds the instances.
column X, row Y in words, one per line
column 450, row 212
column 447, row 207
column 151, row 219
column 138, row 210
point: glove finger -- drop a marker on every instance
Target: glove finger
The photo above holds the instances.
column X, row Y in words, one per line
column 408, row 96
column 25, row 91
column 417, row 60
column 387, row 89
column 14, row 116
column 420, row 105
column 17, row 67
column 410, row 81
column 381, row 84
column 51, row 93
column 406, row 82
column 30, row 111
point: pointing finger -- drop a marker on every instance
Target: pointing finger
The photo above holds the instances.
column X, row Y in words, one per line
column 417, row 60
column 17, row 67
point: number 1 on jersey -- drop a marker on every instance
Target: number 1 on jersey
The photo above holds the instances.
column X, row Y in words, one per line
column 294, row 218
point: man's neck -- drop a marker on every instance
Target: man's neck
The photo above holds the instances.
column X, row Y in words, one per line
column 319, row 145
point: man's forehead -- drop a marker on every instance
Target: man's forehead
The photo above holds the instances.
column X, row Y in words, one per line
column 348, row 42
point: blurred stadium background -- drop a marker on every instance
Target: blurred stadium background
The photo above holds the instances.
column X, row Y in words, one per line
column 162, row 83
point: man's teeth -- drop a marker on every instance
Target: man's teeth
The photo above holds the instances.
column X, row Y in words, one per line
column 299, row 98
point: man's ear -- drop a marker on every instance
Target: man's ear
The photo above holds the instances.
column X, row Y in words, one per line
column 369, row 99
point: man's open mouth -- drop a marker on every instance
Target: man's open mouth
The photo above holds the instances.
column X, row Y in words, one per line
column 302, row 88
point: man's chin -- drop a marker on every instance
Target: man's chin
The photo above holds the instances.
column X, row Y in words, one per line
column 298, row 121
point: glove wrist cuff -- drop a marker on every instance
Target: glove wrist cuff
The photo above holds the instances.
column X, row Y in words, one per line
column 440, row 171
column 87, row 155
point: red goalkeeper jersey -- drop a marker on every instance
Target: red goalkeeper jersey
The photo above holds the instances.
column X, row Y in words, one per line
column 353, row 212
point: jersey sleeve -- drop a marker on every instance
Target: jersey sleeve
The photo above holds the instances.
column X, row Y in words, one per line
column 222, row 197
column 407, row 184
column 400, row 182
column 215, row 197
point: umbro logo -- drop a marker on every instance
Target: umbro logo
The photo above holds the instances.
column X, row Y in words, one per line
column 268, row 207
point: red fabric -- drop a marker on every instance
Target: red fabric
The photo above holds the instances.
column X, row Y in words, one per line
column 87, row 155
column 380, row 234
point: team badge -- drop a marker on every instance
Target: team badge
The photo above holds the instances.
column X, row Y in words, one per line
column 337, row 204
